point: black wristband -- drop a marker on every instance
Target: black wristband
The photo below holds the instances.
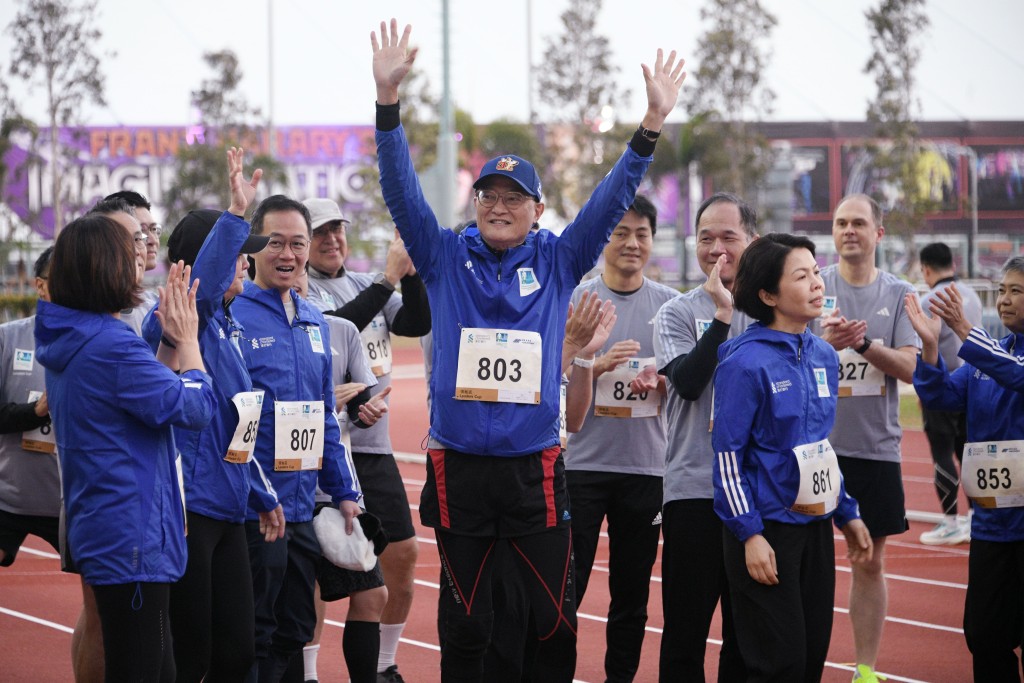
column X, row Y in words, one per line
column 642, row 146
column 167, row 342
column 863, row 347
column 388, row 116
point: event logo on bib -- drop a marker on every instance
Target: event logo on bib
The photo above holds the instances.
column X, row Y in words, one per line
column 22, row 360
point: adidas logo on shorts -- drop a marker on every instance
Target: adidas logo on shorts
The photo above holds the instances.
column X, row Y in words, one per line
column 657, row 520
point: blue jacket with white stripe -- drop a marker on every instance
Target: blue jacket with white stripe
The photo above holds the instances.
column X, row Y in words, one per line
column 990, row 388
column 768, row 401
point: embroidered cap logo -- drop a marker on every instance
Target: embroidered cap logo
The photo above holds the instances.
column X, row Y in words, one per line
column 506, row 164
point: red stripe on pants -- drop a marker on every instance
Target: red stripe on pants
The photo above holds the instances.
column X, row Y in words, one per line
column 548, row 458
column 437, row 462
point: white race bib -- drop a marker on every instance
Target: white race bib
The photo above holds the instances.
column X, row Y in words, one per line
column 376, row 342
column 819, row 479
column 316, row 339
column 614, row 399
column 298, row 435
column 249, row 405
column 858, row 377
column 993, row 473
column 498, row 365
column 41, row 440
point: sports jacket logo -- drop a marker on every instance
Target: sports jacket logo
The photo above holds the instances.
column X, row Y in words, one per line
column 506, row 164
column 884, row 310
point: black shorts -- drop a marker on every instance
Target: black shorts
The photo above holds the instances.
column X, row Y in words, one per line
column 14, row 528
column 490, row 496
column 384, row 493
column 878, row 487
column 337, row 583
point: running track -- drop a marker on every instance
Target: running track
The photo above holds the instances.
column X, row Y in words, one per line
column 923, row 639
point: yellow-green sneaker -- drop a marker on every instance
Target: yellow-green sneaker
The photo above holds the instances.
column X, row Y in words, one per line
column 865, row 674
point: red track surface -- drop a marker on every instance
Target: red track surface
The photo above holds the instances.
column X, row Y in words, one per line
column 923, row 639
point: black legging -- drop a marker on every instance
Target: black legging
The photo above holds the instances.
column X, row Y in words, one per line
column 212, row 606
column 946, row 433
column 465, row 612
column 136, row 631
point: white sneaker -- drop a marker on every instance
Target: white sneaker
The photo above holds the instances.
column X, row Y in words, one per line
column 946, row 534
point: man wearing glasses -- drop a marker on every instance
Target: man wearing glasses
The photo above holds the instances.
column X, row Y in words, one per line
column 287, row 349
column 499, row 296
column 142, row 210
column 372, row 304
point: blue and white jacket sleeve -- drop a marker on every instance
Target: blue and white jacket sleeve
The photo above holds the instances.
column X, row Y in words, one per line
column 262, row 496
column 986, row 354
column 737, row 397
column 937, row 389
column 157, row 396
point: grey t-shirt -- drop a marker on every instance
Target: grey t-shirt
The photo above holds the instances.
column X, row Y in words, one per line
column 328, row 294
column 868, row 427
column 29, row 480
column 689, row 458
column 628, row 445
column 949, row 343
column 134, row 316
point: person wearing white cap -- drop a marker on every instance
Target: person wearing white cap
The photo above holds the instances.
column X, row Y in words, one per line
column 372, row 304
column 499, row 296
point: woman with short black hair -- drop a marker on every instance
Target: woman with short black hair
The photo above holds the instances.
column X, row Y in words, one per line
column 777, row 480
column 113, row 406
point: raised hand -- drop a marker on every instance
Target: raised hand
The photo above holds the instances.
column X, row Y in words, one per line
column 177, row 310
column 392, row 60
column 718, row 292
column 582, row 320
column 949, row 305
column 242, row 191
column 926, row 326
column 663, row 83
column 398, row 263
column 618, row 354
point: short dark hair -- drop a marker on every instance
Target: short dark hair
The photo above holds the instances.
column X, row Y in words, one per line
column 748, row 216
column 937, row 255
column 643, row 206
column 876, row 208
column 42, row 265
column 93, row 266
column 279, row 202
column 760, row 268
column 111, row 204
column 134, row 199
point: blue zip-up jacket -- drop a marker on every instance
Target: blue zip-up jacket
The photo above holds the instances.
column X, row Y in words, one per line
column 215, row 487
column 470, row 286
column 113, row 405
column 767, row 403
column 281, row 361
column 990, row 388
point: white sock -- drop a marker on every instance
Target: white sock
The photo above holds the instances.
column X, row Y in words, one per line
column 389, row 636
column 309, row 654
column 950, row 520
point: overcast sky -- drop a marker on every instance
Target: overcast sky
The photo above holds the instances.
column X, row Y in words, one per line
column 972, row 65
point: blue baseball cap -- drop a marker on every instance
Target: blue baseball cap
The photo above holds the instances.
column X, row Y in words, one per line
column 516, row 168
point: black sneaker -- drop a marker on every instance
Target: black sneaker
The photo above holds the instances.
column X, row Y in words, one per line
column 390, row 675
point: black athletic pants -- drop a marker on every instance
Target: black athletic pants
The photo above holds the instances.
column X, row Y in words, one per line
column 946, row 432
column 465, row 612
column 632, row 504
column 994, row 611
column 784, row 630
column 136, row 631
column 693, row 580
column 211, row 606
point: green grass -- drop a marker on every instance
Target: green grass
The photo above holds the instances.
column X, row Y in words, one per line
column 910, row 411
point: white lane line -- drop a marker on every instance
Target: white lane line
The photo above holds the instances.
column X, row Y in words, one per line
column 914, row 579
column 36, row 620
column 40, row 553
column 911, row 622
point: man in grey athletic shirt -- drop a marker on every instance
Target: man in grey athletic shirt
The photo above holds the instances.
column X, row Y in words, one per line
column 687, row 333
column 866, row 322
column 371, row 303
column 614, row 464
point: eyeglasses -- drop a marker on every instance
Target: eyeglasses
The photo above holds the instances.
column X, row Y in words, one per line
column 511, row 200
column 298, row 247
column 140, row 238
column 333, row 228
column 154, row 229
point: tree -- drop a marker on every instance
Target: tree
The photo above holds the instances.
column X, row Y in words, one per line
column 54, row 48
column 226, row 119
column 578, row 87
column 896, row 26
column 728, row 94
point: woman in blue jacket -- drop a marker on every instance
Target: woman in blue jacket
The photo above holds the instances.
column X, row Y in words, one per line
column 777, row 480
column 113, row 405
column 989, row 387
